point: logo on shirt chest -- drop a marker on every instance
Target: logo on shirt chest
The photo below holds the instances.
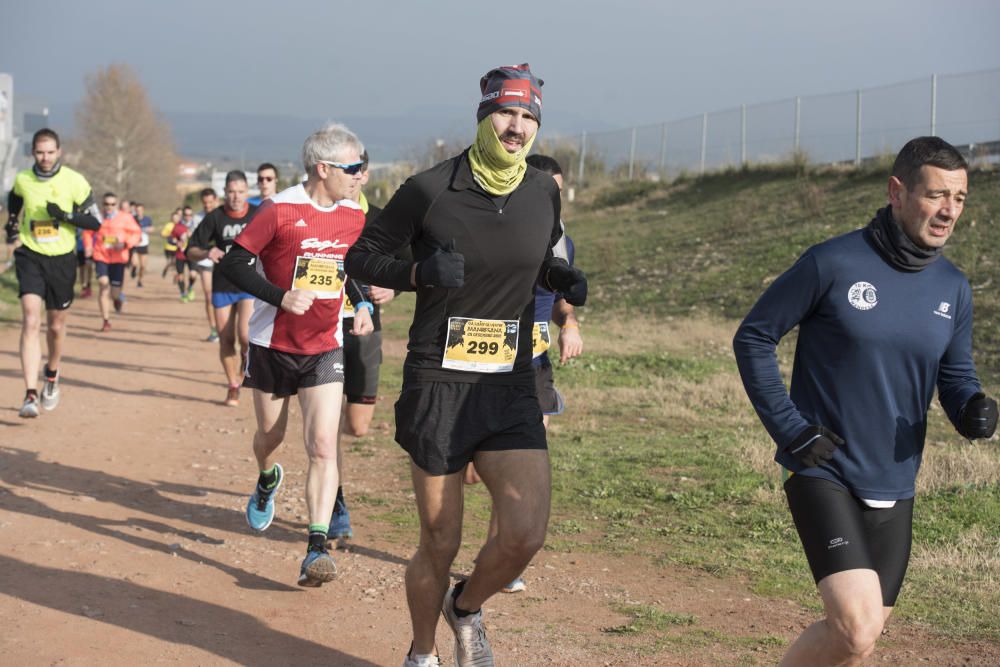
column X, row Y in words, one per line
column 944, row 310
column 863, row 295
column 321, row 245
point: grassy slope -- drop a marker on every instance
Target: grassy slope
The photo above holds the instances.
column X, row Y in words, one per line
column 710, row 245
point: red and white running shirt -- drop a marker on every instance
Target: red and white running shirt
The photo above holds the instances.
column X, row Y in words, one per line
column 301, row 245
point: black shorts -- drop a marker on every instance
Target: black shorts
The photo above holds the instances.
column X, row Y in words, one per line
column 171, row 255
column 81, row 257
column 179, row 264
column 549, row 398
column 839, row 532
column 441, row 425
column 114, row 271
column 51, row 277
column 283, row 373
column 141, row 249
column 362, row 358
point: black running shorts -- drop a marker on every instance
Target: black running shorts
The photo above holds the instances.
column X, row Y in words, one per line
column 839, row 532
column 441, row 425
column 549, row 398
column 114, row 271
column 51, row 277
column 362, row 358
column 283, row 374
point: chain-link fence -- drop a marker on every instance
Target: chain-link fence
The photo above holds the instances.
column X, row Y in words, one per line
column 847, row 127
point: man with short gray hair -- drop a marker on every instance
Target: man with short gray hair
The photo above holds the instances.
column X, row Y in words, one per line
column 291, row 259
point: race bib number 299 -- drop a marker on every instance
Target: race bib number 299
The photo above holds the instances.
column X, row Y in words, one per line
column 481, row 346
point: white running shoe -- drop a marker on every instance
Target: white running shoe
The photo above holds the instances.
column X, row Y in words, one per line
column 515, row 586
column 30, row 407
column 428, row 661
column 50, row 393
column 472, row 648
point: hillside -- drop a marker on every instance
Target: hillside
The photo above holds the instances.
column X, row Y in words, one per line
column 710, row 245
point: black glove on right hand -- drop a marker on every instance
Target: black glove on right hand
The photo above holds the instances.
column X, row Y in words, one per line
column 978, row 418
column 11, row 229
column 814, row 445
column 445, row 268
column 569, row 281
column 57, row 213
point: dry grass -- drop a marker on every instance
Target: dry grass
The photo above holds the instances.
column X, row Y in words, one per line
column 645, row 333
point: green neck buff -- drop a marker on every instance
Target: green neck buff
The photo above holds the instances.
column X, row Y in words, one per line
column 363, row 202
column 495, row 170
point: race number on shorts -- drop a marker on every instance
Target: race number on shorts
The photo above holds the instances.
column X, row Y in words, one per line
column 319, row 274
column 540, row 339
column 483, row 346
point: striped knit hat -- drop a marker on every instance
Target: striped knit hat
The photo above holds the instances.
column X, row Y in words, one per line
column 510, row 86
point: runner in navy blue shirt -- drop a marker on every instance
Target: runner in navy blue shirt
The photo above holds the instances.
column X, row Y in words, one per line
column 883, row 319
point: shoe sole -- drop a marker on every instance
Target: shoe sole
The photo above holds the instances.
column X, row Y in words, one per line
column 28, row 414
column 281, row 480
column 318, row 572
column 513, row 589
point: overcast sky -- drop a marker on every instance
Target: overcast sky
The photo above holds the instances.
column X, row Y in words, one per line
column 624, row 62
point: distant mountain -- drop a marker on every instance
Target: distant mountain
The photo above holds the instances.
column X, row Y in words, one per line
column 253, row 138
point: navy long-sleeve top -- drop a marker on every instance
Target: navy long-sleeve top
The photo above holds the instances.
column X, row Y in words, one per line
column 873, row 343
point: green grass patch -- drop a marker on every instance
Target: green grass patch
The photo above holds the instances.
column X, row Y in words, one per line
column 644, row 618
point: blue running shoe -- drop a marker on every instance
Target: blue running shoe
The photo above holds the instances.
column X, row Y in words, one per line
column 317, row 569
column 340, row 523
column 260, row 507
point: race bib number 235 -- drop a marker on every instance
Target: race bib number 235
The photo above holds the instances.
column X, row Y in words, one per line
column 319, row 274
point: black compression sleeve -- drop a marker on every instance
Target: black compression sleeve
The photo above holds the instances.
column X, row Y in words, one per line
column 84, row 221
column 14, row 204
column 86, row 215
column 357, row 291
column 240, row 267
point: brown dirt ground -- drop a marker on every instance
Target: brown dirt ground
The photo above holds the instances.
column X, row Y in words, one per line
column 123, row 542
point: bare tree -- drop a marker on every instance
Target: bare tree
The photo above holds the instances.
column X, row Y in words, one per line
column 124, row 145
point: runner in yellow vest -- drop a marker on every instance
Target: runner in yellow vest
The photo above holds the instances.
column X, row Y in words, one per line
column 52, row 201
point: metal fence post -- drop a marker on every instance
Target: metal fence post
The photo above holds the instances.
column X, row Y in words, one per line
column 798, row 115
column 933, row 105
column 663, row 151
column 704, row 140
column 583, row 156
column 743, row 135
column 631, row 157
column 857, row 133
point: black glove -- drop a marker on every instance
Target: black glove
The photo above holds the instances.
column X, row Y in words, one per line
column 814, row 445
column 978, row 417
column 445, row 268
column 12, row 229
column 569, row 281
column 56, row 212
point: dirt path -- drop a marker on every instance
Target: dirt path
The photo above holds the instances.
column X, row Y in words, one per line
column 122, row 538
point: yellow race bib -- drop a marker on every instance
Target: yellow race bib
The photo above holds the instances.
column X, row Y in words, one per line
column 44, row 231
column 540, row 339
column 482, row 346
column 319, row 274
column 110, row 241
